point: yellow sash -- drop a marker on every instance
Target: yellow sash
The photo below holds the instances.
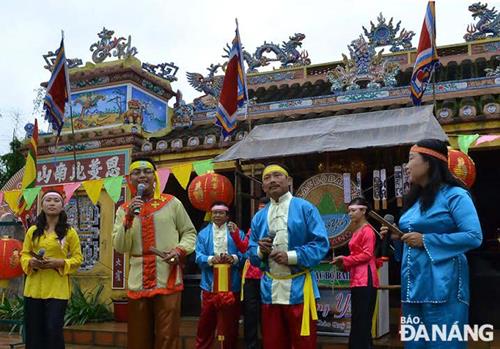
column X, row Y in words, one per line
column 309, row 300
column 221, row 278
column 243, row 276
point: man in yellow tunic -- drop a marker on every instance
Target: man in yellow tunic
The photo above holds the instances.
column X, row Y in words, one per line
column 158, row 221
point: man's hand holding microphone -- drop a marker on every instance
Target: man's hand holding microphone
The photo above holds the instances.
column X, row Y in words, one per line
column 137, row 202
column 266, row 248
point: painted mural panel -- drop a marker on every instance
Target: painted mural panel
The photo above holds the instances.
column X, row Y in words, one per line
column 154, row 111
column 97, row 108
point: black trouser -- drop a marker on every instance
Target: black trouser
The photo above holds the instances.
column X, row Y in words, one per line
column 43, row 321
column 251, row 313
column 362, row 307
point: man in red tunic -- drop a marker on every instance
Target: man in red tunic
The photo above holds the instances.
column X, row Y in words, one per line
column 158, row 221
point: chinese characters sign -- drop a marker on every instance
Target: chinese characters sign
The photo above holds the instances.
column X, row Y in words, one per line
column 118, row 282
column 53, row 171
column 118, row 267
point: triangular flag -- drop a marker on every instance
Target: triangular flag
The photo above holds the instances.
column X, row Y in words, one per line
column 11, row 198
column 69, row 190
column 202, row 167
column 182, row 173
column 30, row 195
column 464, row 142
column 488, row 138
column 93, row 189
column 163, row 174
column 1, row 197
column 113, row 186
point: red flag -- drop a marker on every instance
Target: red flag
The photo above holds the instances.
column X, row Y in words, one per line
column 234, row 90
column 427, row 58
column 57, row 91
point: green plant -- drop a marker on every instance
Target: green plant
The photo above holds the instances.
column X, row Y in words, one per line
column 13, row 310
column 86, row 307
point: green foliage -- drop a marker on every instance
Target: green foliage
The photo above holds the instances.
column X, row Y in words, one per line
column 11, row 162
column 13, row 310
column 86, row 307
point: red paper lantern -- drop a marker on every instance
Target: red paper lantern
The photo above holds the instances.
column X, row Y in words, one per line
column 10, row 258
column 462, row 166
column 206, row 189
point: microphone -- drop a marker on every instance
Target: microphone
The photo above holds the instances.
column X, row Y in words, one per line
column 39, row 255
column 265, row 259
column 386, row 242
column 140, row 192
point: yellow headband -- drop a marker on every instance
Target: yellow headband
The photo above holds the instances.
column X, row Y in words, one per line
column 274, row 168
column 141, row 164
column 146, row 164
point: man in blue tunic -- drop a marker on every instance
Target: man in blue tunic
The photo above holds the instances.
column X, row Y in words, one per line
column 288, row 239
column 219, row 261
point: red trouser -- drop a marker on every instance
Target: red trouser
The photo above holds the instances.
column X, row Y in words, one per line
column 224, row 319
column 281, row 326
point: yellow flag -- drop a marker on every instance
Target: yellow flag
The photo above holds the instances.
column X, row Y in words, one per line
column 93, row 189
column 11, row 198
column 182, row 173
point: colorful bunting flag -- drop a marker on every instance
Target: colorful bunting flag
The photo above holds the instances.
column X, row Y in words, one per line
column 464, row 142
column 12, row 199
column 29, row 195
column 113, row 186
column 69, row 190
column 163, row 174
column 203, row 166
column 182, row 173
column 93, row 189
column 487, row 138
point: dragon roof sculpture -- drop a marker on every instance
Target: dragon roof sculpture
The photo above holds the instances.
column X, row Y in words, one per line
column 488, row 25
column 366, row 67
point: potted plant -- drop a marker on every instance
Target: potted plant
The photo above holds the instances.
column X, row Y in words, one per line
column 86, row 306
column 12, row 313
column 120, row 308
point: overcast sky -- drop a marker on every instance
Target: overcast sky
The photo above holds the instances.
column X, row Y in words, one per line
column 189, row 33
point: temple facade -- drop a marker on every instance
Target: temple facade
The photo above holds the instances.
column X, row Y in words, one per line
column 122, row 108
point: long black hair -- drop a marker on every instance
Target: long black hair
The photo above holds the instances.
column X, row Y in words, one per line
column 439, row 174
column 61, row 228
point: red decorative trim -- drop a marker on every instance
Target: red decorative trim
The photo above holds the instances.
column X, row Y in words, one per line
column 149, row 239
column 172, row 276
column 127, row 221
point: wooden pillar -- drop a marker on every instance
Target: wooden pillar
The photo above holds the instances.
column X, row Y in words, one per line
column 237, row 193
